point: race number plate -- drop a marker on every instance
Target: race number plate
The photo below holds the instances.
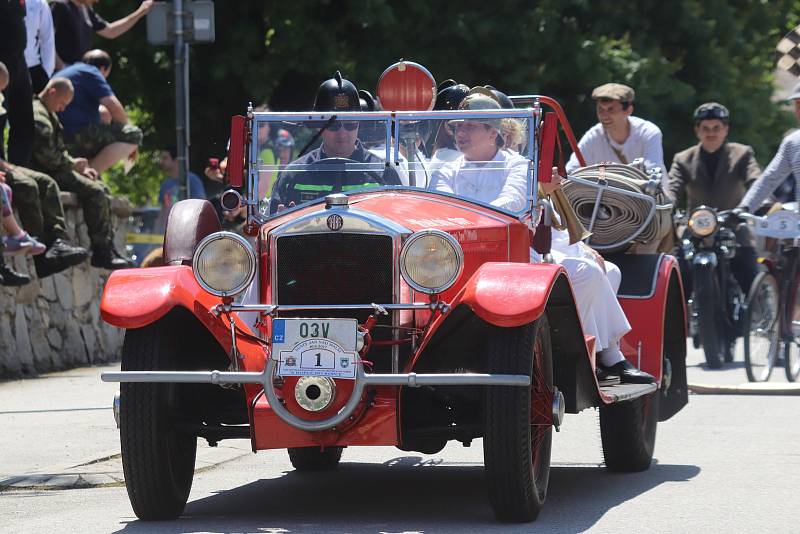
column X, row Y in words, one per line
column 782, row 225
column 315, row 347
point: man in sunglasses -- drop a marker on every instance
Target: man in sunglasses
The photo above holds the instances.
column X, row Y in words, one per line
column 717, row 173
column 298, row 183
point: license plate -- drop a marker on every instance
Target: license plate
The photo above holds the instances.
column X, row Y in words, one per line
column 315, row 347
column 781, row 225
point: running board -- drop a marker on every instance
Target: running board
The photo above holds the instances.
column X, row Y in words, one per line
column 627, row 392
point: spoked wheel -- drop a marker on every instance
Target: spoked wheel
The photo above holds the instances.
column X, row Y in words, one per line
column 792, row 352
column 518, row 421
column 761, row 328
column 157, row 459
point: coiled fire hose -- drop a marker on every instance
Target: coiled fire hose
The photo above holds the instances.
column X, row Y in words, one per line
column 620, row 204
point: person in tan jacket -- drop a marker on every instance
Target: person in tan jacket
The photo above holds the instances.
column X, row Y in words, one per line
column 717, row 173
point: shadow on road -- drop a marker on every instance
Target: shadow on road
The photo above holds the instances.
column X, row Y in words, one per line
column 408, row 494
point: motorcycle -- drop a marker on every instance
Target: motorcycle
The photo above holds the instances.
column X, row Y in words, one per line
column 717, row 301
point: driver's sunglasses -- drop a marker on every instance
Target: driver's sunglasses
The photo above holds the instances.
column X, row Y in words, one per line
column 335, row 126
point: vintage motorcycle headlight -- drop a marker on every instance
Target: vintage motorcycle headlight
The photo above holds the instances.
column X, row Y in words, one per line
column 431, row 261
column 224, row 264
column 702, row 222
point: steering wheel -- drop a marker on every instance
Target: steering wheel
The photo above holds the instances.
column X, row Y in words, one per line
column 335, row 175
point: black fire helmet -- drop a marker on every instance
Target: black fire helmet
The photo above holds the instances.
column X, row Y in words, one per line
column 501, row 97
column 337, row 94
column 449, row 95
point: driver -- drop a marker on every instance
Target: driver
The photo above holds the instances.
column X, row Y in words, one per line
column 594, row 281
column 339, row 140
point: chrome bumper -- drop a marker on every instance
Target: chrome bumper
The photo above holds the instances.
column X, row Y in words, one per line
column 265, row 378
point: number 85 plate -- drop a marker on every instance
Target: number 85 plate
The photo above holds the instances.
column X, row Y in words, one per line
column 315, row 347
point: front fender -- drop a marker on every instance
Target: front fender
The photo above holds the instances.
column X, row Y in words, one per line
column 509, row 294
column 134, row 298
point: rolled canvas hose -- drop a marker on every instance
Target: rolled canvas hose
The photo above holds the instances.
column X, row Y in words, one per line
column 619, row 204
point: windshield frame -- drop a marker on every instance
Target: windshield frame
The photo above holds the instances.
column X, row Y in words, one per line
column 393, row 121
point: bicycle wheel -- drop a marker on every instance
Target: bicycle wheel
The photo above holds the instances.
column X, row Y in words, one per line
column 791, row 355
column 761, row 328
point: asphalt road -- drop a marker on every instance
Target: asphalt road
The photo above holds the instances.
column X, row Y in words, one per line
column 724, row 464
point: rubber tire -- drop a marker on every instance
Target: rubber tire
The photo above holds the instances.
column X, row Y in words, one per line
column 315, row 458
column 711, row 329
column 761, row 278
column 791, row 352
column 514, row 491
column 628, row 433
column 158, row 462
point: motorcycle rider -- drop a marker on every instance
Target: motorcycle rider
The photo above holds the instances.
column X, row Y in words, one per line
column 339, row 140
column 716, row 173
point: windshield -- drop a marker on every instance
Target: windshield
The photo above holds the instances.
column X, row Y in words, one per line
column 482, row 156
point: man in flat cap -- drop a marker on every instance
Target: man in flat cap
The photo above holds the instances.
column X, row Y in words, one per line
column 619, row 136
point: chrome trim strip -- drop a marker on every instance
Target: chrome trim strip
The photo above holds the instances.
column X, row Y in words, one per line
column 361, row 381
column 380, row 309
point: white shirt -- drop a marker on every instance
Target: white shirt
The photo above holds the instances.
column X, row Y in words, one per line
column 785, row 162
column 41, row 46
column 501, row 182
column 644, row 141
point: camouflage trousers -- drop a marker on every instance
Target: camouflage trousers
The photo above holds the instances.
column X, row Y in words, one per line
column 92, row 138
column 93, row 198
column 39, row 206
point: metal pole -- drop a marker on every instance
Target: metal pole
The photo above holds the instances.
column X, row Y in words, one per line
column 180, row 97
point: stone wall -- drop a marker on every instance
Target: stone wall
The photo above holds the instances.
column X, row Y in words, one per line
column 54, row 323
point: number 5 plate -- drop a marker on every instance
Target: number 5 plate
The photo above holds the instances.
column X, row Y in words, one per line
column 315, row 347
column 782, row 225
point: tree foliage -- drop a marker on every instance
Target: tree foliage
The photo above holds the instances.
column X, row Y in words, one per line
column 675, row 54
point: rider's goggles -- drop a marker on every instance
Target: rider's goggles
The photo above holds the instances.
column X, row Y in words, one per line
column 709, row 113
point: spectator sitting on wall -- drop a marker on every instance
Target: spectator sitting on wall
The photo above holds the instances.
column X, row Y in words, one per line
column 9, row 277
column 85, row 134
column 76, row 22
column 16, row 240
column 74, row 174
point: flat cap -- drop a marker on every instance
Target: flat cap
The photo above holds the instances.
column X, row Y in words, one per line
column 614, row 91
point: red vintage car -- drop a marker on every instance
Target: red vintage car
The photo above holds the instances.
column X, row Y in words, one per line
column 379, row 314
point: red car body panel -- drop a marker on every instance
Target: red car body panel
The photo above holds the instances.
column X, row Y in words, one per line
column 646, row 316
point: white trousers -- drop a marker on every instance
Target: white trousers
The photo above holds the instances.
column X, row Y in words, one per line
column 596, row 297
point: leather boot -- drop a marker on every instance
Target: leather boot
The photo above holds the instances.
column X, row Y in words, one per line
column 11, row 278
column 103, row 257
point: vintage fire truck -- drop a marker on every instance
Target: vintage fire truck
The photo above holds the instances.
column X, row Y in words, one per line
column 384, row 315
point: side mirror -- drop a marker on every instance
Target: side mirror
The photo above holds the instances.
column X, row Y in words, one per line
column 235, row 169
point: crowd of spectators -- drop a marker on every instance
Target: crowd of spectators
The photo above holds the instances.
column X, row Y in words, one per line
column 65, row 128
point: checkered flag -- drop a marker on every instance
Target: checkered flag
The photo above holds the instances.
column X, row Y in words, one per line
column 787, row 53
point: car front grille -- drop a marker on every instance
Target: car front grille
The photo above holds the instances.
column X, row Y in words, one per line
column 338, row 268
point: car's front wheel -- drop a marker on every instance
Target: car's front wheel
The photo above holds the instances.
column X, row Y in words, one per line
column 157, row 459
column 518, row 421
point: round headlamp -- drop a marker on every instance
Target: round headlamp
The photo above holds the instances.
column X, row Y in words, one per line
column 703, row 222
column 224, row 264
column 431, row 261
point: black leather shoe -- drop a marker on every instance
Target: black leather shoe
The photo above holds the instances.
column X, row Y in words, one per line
column 64, row 254
column 605, row 377
column 12, row 278
column 629, row 374
column 104, row 258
